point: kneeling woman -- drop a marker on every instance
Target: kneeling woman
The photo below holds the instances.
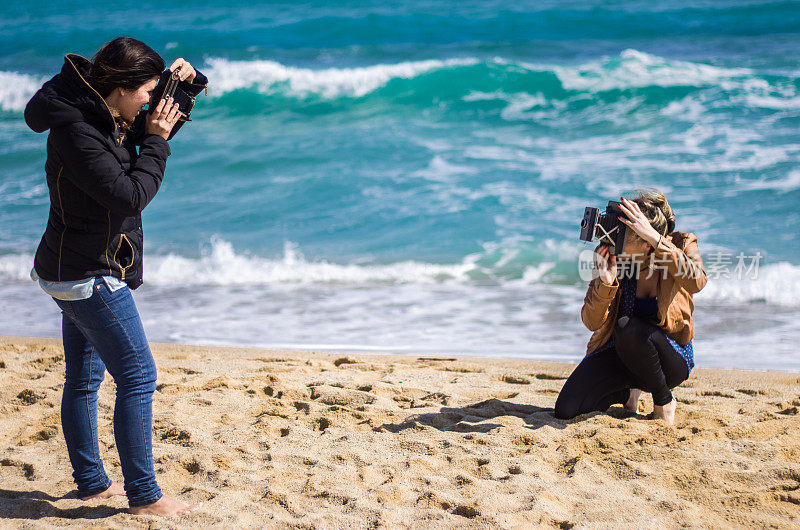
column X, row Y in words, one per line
column 642, row 319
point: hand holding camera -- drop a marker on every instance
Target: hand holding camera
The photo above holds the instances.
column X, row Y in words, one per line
column 175, row 96
column 606, row 264
column 185, row 70
column 163, row 118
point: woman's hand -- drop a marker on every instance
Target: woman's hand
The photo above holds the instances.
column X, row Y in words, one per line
column 163, row 118
column 606, row 264
column 638, row 222
column 185, row 70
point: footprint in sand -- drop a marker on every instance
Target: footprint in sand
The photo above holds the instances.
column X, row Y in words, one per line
column 29, row 397
column 27, row 469
column 176, row 436
column 788, row 409
column 716, row 393
column 751, row 392
column 515, row 380
column 344, row 360
column 46, row 363
column 549, row 377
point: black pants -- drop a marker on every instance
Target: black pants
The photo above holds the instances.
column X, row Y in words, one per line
column 642, row 357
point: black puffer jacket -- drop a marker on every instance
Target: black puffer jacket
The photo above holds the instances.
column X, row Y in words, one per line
column 98, row 183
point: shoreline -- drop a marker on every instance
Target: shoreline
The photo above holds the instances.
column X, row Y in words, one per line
column 295, row 438
column 375, row 353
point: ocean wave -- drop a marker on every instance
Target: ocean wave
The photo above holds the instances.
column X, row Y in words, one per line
column 17, row 89
column 220, row 264
column 634, row 69
column 784, row 184
column 523, row 85
column 630, row 69
column 777, row 283
column 270, row 76
column 509, row 264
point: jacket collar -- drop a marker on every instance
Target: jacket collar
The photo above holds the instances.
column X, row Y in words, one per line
column 75, row 70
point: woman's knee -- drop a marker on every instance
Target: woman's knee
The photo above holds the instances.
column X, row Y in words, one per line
column 85, row 375
column 138, row 375
column 675, row 377
column 566, row 407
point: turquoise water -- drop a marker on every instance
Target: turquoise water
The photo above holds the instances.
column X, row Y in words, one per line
column 411, row 177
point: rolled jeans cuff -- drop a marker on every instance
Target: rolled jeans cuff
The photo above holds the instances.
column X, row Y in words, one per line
column 135, row 503
column 94, row 491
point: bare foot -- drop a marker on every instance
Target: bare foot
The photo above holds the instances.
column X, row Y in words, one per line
column 113, row 489
column 666, row 413
column 165, row 507
column 633, row 400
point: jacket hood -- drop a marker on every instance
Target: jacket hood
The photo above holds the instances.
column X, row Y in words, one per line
column 68, row 98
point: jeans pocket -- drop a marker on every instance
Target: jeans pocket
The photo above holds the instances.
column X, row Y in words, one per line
column 100, row 284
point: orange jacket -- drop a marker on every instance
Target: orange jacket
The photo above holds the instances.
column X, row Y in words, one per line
column 680, row 274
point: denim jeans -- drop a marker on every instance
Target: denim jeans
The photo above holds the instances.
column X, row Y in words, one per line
column 105, row 332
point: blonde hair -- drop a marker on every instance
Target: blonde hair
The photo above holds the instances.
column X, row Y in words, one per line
column 655, row 207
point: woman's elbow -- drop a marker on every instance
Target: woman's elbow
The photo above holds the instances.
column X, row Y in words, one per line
column 695, row 283
column 592, row 324
column 128, row 206
column 699, row 284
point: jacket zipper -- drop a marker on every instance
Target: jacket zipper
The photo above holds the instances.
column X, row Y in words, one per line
column 63, row 219
column 133, row 256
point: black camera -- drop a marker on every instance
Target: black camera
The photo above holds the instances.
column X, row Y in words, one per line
column 605, row 227
column 182, row 92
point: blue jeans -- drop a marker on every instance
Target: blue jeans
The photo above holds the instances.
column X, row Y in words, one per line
column 105, row 332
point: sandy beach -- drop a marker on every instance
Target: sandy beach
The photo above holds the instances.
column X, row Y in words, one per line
column 307, row 439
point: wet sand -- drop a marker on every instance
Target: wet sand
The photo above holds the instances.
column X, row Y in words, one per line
column 307, row 439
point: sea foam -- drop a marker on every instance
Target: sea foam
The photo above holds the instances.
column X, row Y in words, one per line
column 631, row 69
column 512, row 264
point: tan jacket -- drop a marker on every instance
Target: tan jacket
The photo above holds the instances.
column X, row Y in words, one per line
column 680, row 275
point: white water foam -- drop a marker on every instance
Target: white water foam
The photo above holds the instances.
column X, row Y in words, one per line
column 785, row 184
column 634, row 68
column 17, row 89
column 631, row 69
column 269, row 76
column 776, row 283
column 223, row 266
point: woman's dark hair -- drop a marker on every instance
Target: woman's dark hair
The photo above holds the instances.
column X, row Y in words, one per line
column 124, row 62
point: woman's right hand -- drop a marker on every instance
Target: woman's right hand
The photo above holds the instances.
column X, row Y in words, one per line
column 162, row 119
column 606, row 264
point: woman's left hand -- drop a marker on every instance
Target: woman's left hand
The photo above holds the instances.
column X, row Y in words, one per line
column 638, row 222
column 185, row 70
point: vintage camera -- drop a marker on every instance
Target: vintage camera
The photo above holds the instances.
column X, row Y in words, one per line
column 605, row 227
column 169, row 84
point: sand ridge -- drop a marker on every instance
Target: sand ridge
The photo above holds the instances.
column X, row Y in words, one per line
column 309, row 439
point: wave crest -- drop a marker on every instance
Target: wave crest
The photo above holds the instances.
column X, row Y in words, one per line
column 631, row 69
column 271, row 76
column 512, row 264
column 17, row 89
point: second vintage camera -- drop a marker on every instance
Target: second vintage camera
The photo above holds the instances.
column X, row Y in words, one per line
column 605, row 227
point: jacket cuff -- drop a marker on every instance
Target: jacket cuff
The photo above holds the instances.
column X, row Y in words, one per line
column 157, row 142
column 605, row 291
column 665, row 247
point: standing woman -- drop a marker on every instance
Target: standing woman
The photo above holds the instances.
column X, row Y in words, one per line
column 90, row 256
column 641, row 317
